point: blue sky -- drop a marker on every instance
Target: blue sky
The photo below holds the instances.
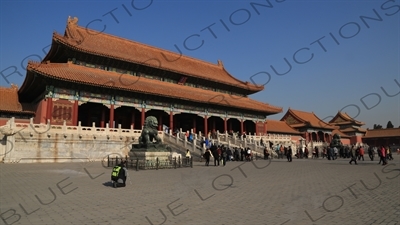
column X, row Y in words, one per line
column 340, row 60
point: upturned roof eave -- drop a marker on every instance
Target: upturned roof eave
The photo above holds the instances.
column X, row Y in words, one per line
column 246, row 87
column 271, row 111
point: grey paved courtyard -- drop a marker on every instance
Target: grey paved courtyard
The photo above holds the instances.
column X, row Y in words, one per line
column 273, row 192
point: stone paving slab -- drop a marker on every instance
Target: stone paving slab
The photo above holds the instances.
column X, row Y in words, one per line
column 305, row 191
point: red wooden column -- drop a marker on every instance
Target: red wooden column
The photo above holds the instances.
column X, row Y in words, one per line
column 225, row 125
column 133, row 119
column 265, row 128
column 160, row 122
column 142, row 117
column 241, row 127
column 230, row 125
column 103, row 118
column 75, row 114
column 111, row 125
column 171, row 121
column 175, row 124
column 194, row 124
column 205, row 126
column 213, row 124
column 49, row 109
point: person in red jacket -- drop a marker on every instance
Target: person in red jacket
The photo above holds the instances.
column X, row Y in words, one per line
column 383, row 155
column 361, row 154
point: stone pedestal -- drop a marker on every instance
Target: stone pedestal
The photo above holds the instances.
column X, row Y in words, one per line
column 150, row 156
column 151, row 152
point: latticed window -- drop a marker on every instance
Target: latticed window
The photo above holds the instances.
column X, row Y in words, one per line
column 170, row 81
column 190, row 84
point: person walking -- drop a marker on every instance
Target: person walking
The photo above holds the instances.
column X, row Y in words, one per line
column 207, row 156
column 237, row 154
column 335, row 153
column 216, row 154
column 266, row 153
column 224, row 155
column 383, row 156
column 379, row 150
column 353, row 155
column 361, row 154
column 306, row 152
column 371, row 153
column 289, row 154
column 389, row 153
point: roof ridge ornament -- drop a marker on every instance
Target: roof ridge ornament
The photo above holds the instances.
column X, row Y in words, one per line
column 220, row 64
column 72, row 32
column 72, row 20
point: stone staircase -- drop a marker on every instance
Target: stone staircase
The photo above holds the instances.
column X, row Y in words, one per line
column 179, row 143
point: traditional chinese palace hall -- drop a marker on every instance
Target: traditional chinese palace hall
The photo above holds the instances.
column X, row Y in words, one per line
column 100, row 79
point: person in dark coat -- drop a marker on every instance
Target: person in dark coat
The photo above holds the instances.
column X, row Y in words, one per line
column 237, row 154
column 224, row 156
column 289, row 154
column 207, row 156
column 266, row 153
column 217, row 156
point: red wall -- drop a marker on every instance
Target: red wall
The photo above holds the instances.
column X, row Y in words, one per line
column 261, row 128
column 40, row 116
column 3, row 121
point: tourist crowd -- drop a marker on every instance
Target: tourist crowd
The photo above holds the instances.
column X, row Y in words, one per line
column 221, row 154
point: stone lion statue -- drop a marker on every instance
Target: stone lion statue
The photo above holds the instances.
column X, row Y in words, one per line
column 150, row 133
column 336, row 141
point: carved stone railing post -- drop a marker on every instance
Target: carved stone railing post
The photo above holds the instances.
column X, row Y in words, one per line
column 107, row 131
column 79, row 129
column 185, row 141
column 64, row 128
column 48, row 126
column 30, row 127
column 194, row 143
